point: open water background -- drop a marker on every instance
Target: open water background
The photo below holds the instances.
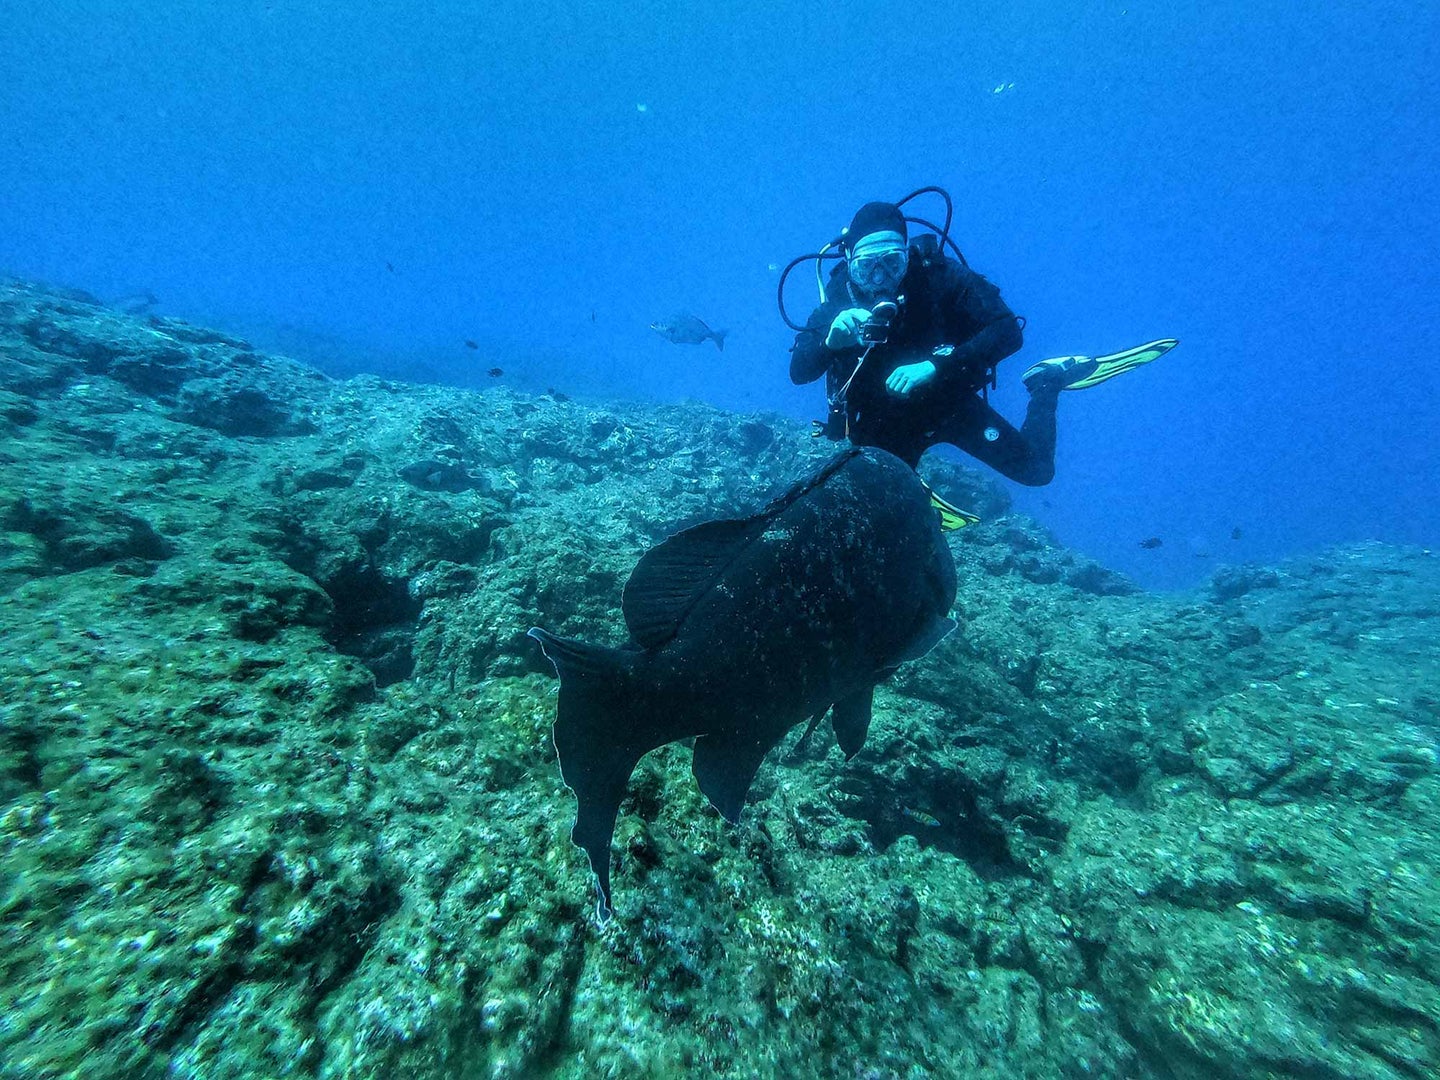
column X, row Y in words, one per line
column 370, row 187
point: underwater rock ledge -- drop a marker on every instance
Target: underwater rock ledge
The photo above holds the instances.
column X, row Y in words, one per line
column 277, row 795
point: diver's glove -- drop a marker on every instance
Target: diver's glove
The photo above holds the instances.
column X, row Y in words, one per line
column 845, row 330
column 910, row 377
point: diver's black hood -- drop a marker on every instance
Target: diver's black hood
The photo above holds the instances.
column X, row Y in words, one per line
column 876, row 217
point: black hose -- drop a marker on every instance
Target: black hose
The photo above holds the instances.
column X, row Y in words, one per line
column 944, row 234
column 944, row 239
column 949, row 205
column 780, row 289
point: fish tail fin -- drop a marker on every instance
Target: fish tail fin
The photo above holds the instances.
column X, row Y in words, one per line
column 599, row 717
column 719, row 336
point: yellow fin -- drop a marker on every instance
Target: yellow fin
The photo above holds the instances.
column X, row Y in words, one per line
column 1107, row 367
column 951, row 516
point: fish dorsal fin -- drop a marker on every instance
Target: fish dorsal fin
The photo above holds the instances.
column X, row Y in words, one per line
column 673, row 575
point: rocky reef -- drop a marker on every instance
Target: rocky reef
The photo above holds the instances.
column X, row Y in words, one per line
column 277, row 795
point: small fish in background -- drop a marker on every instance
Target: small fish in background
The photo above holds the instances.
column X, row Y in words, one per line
column 136, row 303
column 1235, row 533
column 688, row 330
column 1150, row 543
column 470, row 344
column 558, row 395
column 390, row 266
column 930, row 821
column 495, row 372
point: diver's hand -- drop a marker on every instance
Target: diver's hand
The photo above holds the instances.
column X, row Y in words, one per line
column 845, row 330
column 904, row 380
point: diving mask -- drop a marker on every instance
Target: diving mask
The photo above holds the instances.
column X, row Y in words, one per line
column 880, row 270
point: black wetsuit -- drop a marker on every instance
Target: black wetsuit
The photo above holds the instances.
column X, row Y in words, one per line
column 945, row 303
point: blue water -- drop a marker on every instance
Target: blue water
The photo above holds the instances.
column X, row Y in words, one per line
column 371, row 189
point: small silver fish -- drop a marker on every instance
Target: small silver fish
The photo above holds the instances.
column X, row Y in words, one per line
column 688, row 330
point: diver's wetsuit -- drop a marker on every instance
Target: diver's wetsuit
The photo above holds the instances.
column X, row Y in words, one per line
column 945, row 304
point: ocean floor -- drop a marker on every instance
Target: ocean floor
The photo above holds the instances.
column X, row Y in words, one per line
column 278, row 798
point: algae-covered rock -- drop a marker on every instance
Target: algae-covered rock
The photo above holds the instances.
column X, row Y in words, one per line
column 236, row 406
column 278, row 795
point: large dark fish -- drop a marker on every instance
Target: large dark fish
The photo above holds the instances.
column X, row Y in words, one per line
column 744, row 628
column 688, row 330
column 432, row 475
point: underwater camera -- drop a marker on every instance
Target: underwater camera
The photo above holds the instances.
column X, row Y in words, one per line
column 927, row 245
column 876, row 329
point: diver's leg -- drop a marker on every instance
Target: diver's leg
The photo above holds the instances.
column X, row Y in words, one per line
column 1026, row 456
column 906, row 444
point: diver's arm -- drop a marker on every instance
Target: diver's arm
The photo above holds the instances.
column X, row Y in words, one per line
column 985, row 348
column 977, row 303
column 810, row 357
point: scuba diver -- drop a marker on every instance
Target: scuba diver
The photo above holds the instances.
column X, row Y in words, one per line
column 908, row 339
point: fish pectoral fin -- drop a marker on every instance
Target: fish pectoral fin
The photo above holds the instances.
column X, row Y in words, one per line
column 930, row 634
column 725, row 766
column 673, row 575
column 851, row 720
